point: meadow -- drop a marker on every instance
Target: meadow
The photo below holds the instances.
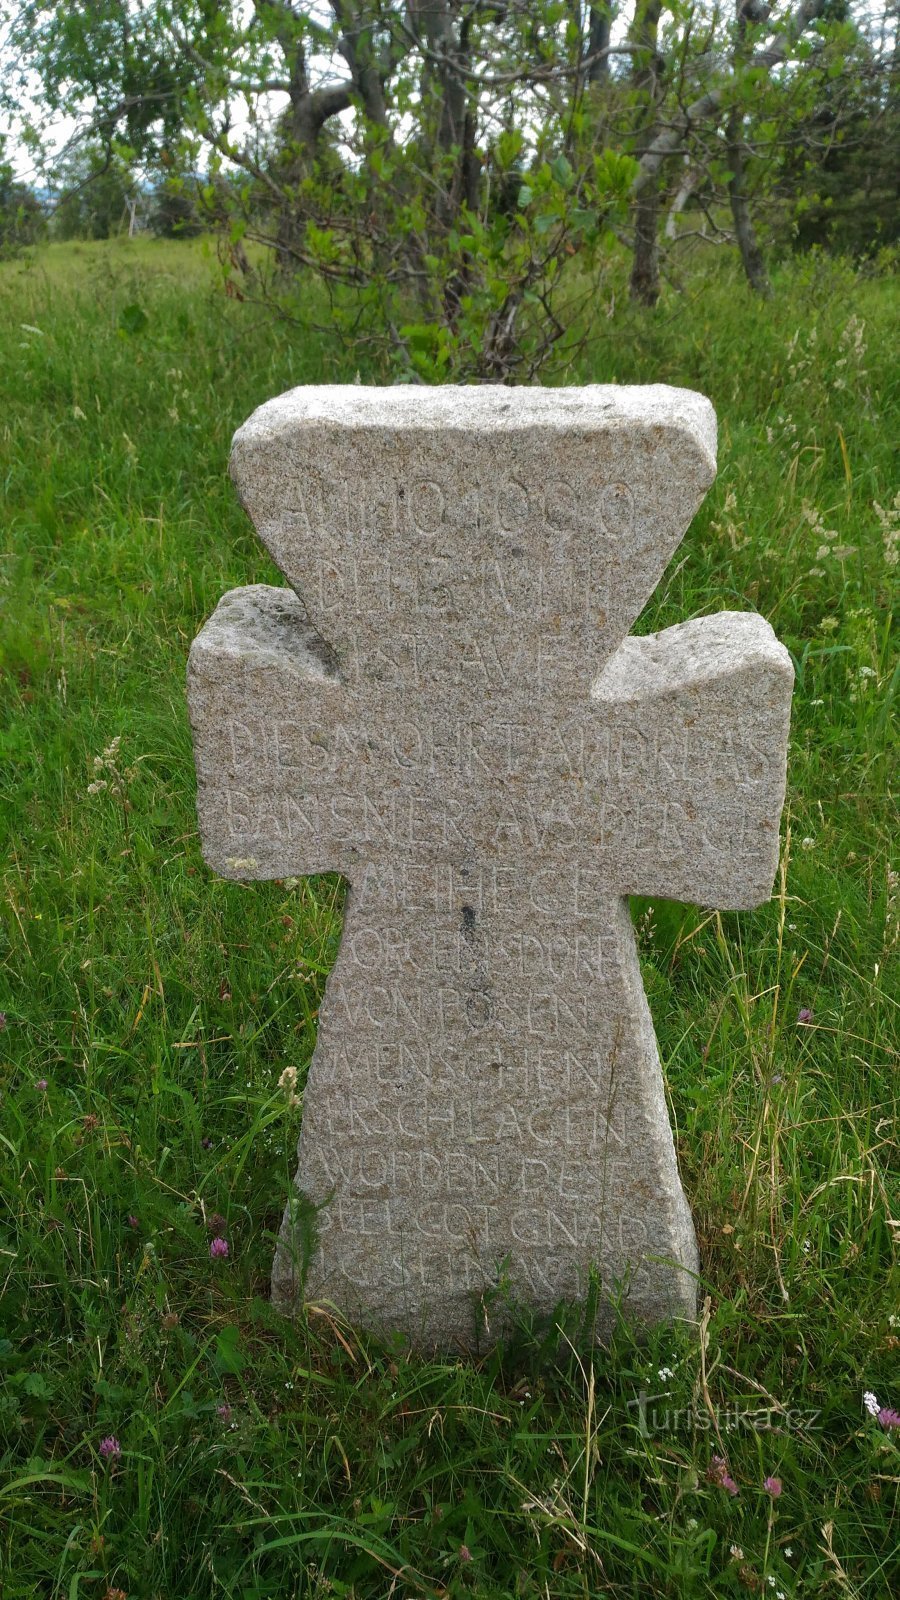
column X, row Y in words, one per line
column 164, row 1435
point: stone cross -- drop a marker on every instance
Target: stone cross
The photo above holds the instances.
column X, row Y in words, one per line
column 444, row 707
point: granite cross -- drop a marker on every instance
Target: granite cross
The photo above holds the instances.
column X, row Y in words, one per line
column 444, row 707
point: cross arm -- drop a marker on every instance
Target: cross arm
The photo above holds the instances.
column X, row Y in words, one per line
column 691, row 737
column 265, row 702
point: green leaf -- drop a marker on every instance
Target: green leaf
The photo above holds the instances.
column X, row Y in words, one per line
column 420, row 335
column 133, row 319
column 509, row 146
column 228, row 1357
column 526, row 195
column 561, row 170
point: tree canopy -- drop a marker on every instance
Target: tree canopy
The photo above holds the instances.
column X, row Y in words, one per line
column 455, row 170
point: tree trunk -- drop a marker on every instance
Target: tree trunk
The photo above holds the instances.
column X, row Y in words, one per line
column 646, row 78
column 685, row 189
column 448, row 60
column 600, row 21
column 747, row 242
column 644, row 283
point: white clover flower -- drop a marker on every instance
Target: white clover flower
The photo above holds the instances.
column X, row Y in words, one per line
column 871, row 1404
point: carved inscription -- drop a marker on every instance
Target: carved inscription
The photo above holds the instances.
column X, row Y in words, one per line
column 393, row 507
column 492, row 752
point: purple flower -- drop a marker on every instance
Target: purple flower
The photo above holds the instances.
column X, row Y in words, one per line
column 218, row 1249
column 223, row 1411
column 133, row 1221
column 465, row 1553
column 773, row 1486
column 2, row 1020
column 41, row 1084
column 206, row 1143
column 804, row 1016
column 110, row 1448
column 888, row 1417
column 717, row 1473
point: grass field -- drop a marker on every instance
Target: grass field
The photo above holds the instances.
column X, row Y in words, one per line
column 149, row 1010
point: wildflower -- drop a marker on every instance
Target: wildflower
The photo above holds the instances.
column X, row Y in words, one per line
column 664, row 1374
column 465, row 1553
column 736, row 1553
column 890, row 528
column 224, row 1411
column 773, row 1486
column 787, row 1552
column 717, row 1473
column 2, row 1020
column 808, row 843
column 132, row 1220
column 870, row 1403
column 287, row 1083
column 216, row 1223
column 804, row 1016
column 218, row 1249
column 41, row 1085
column 206, row 1143
column 110, row 1448
column 888, row 1417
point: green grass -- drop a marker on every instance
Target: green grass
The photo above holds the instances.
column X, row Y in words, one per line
column 161, row 1005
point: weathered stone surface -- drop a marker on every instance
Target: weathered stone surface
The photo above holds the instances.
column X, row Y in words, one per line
column 444, row 708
